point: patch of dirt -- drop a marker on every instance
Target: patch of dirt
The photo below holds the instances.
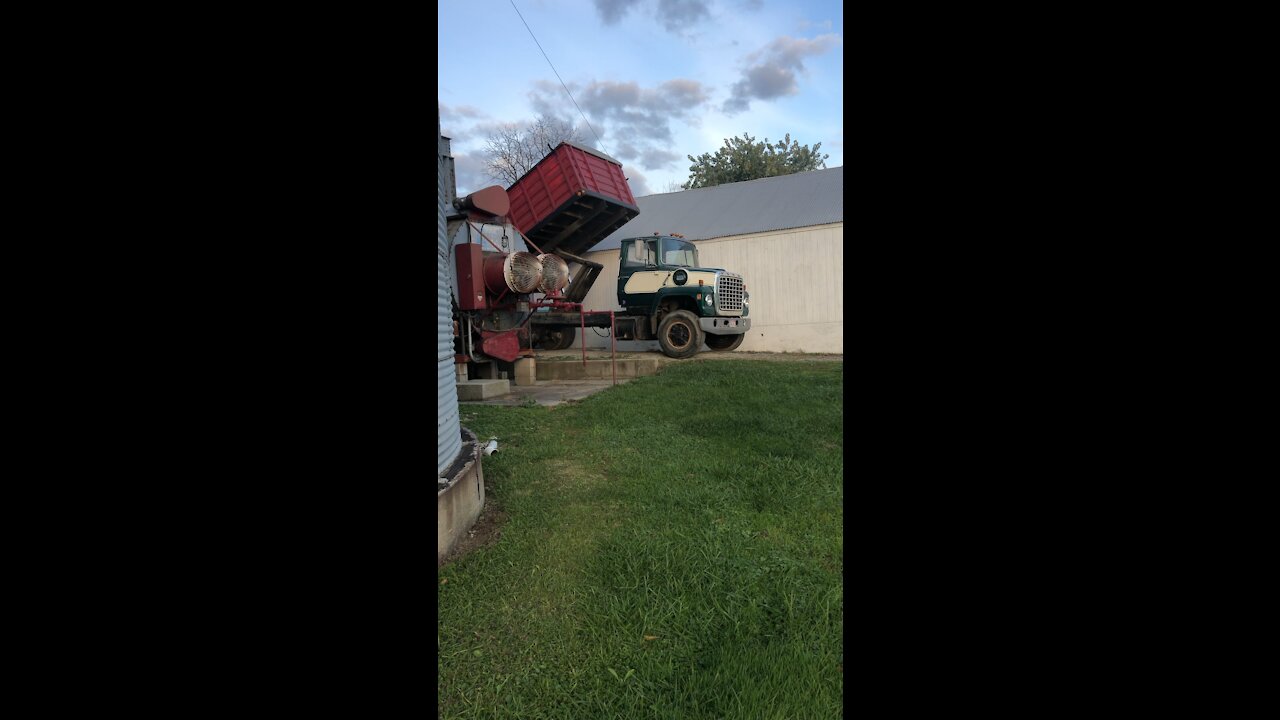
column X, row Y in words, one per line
column 485, row 533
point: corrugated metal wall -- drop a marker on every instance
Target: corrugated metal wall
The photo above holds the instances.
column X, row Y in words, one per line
column 449, row 441
column 796, row 281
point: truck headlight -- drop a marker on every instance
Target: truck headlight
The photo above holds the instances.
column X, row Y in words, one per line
column 708, row 298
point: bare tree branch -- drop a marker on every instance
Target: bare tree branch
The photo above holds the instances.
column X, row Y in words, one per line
column 511, row 150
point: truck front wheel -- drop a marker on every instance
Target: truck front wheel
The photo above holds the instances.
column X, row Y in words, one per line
column 724, row 343
column 679, row 335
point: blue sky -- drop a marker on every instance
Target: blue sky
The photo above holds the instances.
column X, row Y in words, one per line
column 657, row 79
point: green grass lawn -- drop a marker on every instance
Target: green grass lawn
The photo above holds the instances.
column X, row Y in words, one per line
column 672, row 548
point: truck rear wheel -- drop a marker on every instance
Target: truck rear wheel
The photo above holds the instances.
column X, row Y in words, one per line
column 679, row 335
column 724, row 343
column 566, row 337
column 557, row 338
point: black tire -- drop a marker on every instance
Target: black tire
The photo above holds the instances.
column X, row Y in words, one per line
column 559, row 337
column 724, row 343
column 679, row 335
column 567, row 335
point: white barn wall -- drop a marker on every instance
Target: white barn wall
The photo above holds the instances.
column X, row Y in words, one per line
column 604, row 293
column 796, row 281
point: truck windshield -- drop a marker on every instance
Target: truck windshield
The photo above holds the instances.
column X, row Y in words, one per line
column 678, row 252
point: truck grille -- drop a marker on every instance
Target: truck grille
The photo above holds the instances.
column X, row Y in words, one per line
column 729, row 294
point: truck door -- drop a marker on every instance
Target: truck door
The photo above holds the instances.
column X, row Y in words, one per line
column 638, row 275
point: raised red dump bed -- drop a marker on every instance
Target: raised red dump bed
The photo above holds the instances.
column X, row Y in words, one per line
column 571, row 200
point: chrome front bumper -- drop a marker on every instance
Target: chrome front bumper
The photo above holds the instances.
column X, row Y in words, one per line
column 725, row 325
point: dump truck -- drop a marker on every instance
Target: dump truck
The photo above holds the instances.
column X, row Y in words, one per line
column 666, row 295
column 515, row 292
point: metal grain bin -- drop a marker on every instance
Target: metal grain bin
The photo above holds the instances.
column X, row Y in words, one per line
column 449, row 440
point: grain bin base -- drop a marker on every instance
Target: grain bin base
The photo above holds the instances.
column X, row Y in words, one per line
column 458, row 503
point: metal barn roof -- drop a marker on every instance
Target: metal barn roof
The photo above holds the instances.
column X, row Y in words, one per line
column 776, row 203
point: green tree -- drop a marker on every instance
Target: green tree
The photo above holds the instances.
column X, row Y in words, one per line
column 746, row 159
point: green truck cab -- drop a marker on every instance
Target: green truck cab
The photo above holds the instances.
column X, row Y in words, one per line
column 676, row 301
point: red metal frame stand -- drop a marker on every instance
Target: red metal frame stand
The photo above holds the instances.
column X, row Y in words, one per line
column 613, row 339
column 582, row 319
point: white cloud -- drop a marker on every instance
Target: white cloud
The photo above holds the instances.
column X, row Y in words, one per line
column 638, row 182
column 772, row 72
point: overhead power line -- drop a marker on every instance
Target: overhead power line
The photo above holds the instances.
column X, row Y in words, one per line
column 553, row 69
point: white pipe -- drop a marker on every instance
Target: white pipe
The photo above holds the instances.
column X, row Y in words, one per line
column 492, row 447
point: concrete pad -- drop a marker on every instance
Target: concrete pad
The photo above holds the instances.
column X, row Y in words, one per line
column 650, row 357
column 595, row 369
column 551, row 393
column 648, row 365
column 459, row 501
column 525, row 371
column 483, row 389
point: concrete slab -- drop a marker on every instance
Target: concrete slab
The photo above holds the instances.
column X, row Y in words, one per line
column 550, row 393
column 596, row 367
column 482, row 389
column 459, row 496
column 704, row 354
column 526, row 371
column 591, row 370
